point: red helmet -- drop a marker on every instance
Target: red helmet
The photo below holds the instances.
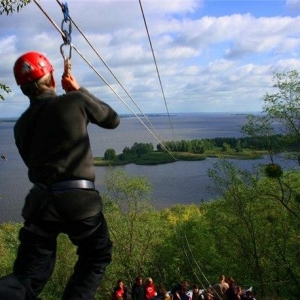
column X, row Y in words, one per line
column 30, row 67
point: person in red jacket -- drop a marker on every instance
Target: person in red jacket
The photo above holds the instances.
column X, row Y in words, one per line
column 120, row 291
column 150, row 289
column 53, row 141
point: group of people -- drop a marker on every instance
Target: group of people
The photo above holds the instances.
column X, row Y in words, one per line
column 139, row 291
column 225, row 289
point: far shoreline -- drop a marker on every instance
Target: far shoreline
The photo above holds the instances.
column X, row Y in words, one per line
column 159, row 158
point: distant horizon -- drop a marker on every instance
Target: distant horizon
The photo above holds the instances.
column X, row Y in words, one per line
column 160, row 114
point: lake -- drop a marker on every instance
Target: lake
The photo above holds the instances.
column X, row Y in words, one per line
column 174, row 183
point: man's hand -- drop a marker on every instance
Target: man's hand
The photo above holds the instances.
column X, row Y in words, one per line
column 69, row 83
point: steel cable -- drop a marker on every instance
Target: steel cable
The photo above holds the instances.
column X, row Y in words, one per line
column 155, row 62
column 109, row 69
column 103, row 79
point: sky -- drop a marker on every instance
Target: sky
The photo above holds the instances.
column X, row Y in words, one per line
column 212, row 56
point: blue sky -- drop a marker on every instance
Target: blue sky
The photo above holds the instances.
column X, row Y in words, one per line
column 213, row 56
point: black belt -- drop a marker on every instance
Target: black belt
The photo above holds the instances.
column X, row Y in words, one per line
column 67, row 185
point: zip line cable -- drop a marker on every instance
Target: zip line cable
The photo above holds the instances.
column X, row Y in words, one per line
column 103, row 79
column 189, row 260
column 155, row 62
column 190, row 250
column 109, row 69
column 196, row 263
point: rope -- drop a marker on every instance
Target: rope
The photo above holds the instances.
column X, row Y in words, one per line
column 102, row 78
column 154, row 58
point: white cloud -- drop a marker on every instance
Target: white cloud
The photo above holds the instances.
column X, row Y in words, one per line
column 206, row 62
column 293, row 5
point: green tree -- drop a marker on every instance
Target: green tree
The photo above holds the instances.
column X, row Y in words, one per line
column 5, row 89
column 136, row 229
column 198, row 146
column 261, row 127
column 283, row 108
column 250, row 229
column 8, row 7
column 188, row 252
column 110, row 154
column 238, row 147
column 139, row 149
column 225, row 147
column 284, row 105
column 281, row 112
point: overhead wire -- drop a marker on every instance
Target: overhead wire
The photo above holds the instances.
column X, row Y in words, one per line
column 103, row 79
column 109, row 69
column 189, row 260
column 156, row 66
column 162, row 90
column 190, row 250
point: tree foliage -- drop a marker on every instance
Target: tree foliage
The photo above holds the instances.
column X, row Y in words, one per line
column 9, row 7
column 251, row 232
column 110, row 154
column 139, row 149
column 284, row 105
column 280, row 115
column 4, row 88
column 244, row 234
column 255, row 226
column 135, row 229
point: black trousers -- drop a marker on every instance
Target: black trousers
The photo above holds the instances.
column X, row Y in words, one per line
column 37, row 253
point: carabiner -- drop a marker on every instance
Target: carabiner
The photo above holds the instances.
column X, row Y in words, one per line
column 63, row 53
column 66, row 36
column 67, row 32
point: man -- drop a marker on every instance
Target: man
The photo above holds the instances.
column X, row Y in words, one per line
column 248, row 295
column 196, row 292
column 220, row 288
column 182, row 285
column 137, row 289
column 52, row 139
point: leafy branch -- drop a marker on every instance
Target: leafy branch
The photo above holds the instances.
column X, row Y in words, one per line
column 10, row 6
column 4, row 88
